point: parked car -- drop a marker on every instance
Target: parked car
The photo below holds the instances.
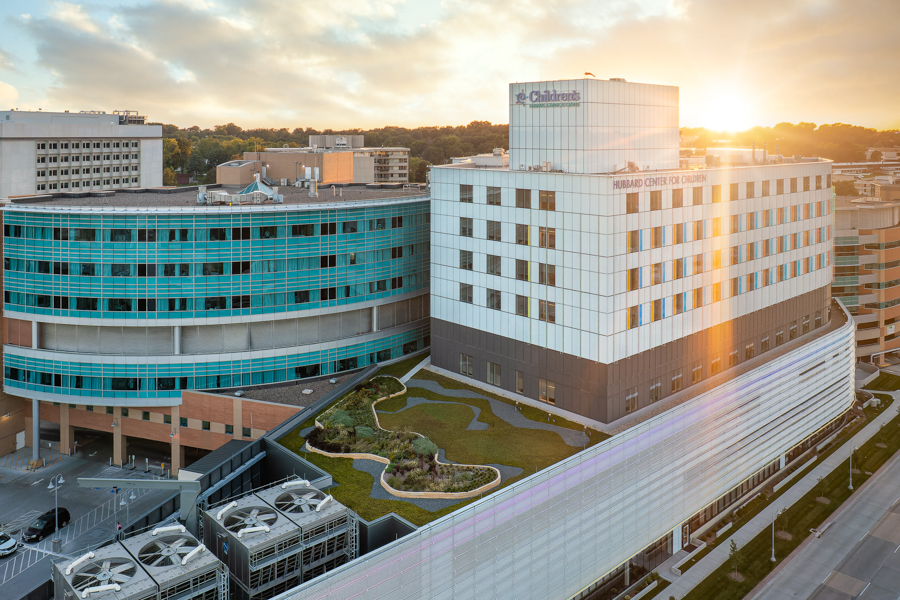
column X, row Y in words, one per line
column 45, row 524
column 8, row 544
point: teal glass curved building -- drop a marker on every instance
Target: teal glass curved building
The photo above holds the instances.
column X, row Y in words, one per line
column 129, row 305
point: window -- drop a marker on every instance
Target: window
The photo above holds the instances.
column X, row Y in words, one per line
column 765, row 188
column 547, row 237
column 717, row 226
column 656, row 200
column 716, row 292
column 493, row 265
column 547, row 391
column 656, row 310
column 374, row 225
column 633, row 241
column 214, row 303
column 213, row 268
column 696, row 373
column 764, row 345
column 631, row 203
column 493, row 231
column 793, row 332
column 656, row 237
column 493, row 196
column 205, row 425
column 749, row 351
column 733, row 192
column 145, row 415
column 120, row 304
column 678, row 228
column 521, row 306
column 806, row 184
column 522, row 270
column 698, row 196
column 493, row 374
column 465, row 226
column 547, row 200
column 677, row 198
column 633, row 317
column 779, row 186
column 396, row 222
column 465, row 193
column 493, row 299
column 520, row 382
column 229, row 429
column 656, row 273
column 634, row 279
column 522, row 235
column 328, row 229
column 547, row 274
column 735, row 223
column 698, row 297
column 793, row 185
column 465, row 365
column 523, row 198
column 120, row 235
column 547, row 311
column 655, row 390
column 698, row 264
column 717, row 193
column 735, row 255
column 246, row 432
column 732, row 358
column 678, row 303
column 779, row 338
column 677, row 383
column 217, row 234
column 715, row 366
column 465, row 260
column 272, row 232
column 698, row 230
column 751, row 190
column 806, row 324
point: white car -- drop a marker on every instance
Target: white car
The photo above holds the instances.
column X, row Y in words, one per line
column 8, row 545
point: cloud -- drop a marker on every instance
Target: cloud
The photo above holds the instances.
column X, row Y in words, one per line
column 376, row 62
column 8, row 96
column 6, row 63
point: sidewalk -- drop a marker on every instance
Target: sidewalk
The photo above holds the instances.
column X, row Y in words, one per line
column 719, row 555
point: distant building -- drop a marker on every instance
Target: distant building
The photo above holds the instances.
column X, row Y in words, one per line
column 47, row 152
column 886, row 153
column 498, row 159
column 866, row 272
column 331, row 160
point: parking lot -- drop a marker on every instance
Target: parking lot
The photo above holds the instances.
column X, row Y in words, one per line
column 94, row 515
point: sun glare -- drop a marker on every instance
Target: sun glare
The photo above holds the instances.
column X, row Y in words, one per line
column 724, row 111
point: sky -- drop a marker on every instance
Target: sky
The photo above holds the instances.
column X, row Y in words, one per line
column 372, row 63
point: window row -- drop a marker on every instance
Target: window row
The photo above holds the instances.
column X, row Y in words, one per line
column 493, row 232
column 546, row 387
column 325, row 261
column 659, row 309
column 85, row 171
column 493, row 300
column 664, row 235
column 212, row 234
column 138, row 384
column 65, row 185
column 85, row 145
column 213, row 302
column 694, row 265
column 675, row 382
column 735, row 191
column 546, row 199
column 77, row 158
column 546, row 272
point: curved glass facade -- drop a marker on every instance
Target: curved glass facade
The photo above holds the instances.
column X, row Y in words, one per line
column 218, row 298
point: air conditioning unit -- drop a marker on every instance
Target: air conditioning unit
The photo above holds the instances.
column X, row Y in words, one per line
column 279, row 537
column 167, row 562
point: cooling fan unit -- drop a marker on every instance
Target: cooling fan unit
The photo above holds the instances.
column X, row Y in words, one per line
column 251, row 516
column 106, row 572
column 298, row 502
column 168, row 551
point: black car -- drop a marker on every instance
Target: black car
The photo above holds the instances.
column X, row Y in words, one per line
column 45, row 525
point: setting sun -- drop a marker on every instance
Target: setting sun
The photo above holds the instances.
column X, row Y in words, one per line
column 725, row 110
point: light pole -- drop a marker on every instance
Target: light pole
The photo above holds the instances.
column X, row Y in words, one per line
column 127, row 506
column 59, row 481
column 775, row 514
column 852, row 450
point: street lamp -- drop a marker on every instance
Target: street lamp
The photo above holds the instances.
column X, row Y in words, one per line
column 775, row 516
column 852, row 450
column 59, row 481
column 127, row 506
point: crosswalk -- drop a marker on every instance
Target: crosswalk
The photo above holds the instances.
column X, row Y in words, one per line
column 104, row 515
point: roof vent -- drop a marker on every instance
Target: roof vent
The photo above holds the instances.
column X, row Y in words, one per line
column 617, row 79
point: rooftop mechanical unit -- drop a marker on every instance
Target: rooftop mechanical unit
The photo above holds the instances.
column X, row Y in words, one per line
column 277, row 538
column 167, row 563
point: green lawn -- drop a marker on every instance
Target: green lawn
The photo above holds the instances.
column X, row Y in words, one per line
column 884, row 382
column 445, row 424
column 399, row 369
column 807, row 513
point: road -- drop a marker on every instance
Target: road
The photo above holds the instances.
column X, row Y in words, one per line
column 857, row 557
column 95, row 512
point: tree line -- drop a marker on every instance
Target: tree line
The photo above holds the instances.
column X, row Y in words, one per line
column 198, row 151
